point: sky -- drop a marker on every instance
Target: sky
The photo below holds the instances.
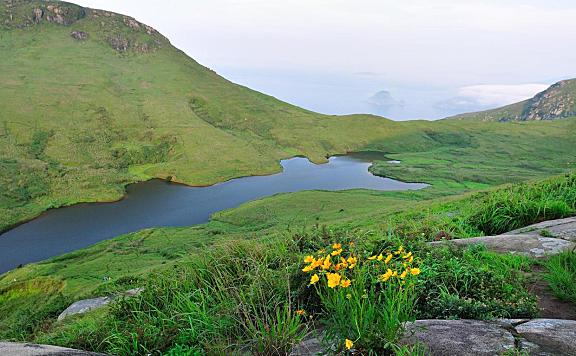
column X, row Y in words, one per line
column 403, row 59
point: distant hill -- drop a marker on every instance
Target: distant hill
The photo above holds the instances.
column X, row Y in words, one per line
column 556, row 102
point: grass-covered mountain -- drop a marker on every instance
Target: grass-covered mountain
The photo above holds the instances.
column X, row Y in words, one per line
column 93, row 100
column 556, row 102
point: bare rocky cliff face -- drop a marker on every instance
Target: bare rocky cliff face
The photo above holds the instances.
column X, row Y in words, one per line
column 558, row 101
column 122, row 33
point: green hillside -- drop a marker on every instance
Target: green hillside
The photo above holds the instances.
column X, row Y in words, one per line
column 556, row 102
column 92, row 101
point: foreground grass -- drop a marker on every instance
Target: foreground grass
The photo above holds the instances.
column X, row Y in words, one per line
column 562, row 276
column 254, row 297
column 252, row 270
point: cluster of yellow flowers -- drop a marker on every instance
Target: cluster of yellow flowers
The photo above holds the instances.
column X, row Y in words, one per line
column 332, row 264
column 398, row 264
column 341, row 265
column 335, row 261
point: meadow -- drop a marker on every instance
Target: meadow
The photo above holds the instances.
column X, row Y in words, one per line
column 81, row 119
column 245, row 292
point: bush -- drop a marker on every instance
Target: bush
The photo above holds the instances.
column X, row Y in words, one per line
column 474, row 284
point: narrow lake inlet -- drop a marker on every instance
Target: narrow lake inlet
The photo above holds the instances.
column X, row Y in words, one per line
column 157, row 203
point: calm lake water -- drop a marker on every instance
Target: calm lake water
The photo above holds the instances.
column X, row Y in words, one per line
column 158, row 203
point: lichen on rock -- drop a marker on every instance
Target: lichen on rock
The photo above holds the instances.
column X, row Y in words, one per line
column 79, row 35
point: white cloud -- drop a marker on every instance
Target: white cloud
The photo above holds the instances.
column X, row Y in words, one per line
column 481, row 97
column 499, row 95
column 446, row 44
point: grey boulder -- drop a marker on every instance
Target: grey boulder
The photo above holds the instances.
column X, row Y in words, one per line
column 552, row 336
column 16, row 349
column 561, row 229
column 459, row 337
column 524, row 244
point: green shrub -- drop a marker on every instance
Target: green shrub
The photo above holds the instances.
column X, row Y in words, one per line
column 474, row 284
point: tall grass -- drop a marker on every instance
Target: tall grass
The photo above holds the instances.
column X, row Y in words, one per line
column 489, row 213
column 234, row 298
column 562, row 276
column 524, row 204
column 248, row 297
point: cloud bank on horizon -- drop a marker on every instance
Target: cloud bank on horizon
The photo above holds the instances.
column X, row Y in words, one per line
column 431, row 59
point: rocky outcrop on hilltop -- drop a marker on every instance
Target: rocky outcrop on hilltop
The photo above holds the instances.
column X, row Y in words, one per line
column 556, row 102
column 123, row 33
column 22, row 13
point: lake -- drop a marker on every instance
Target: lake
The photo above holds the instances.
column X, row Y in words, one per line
column 158, row 203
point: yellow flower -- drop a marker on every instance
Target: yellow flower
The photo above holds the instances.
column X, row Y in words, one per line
column 333, row 279
column 388, row 258
column 343, row 262
column 404, row 274
column 408, row 255
column 415, row 271
column 380, row 257
column 300, row 312
column 349, row 344
column 327, row 263
column 309, row 259
column 307, row 268
column 411, row 259
column 386, row 276
column 336, row 252
column 400, row 250
column 314, row 279
column 372, row 258
column 317, row 263
column 337, row 246
column 352, row 261
column 345, row 283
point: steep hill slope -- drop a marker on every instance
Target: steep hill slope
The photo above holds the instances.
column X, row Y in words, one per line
column 92, row 101
column 556, row 102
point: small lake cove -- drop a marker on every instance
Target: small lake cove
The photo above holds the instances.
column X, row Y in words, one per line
column 157, row 203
